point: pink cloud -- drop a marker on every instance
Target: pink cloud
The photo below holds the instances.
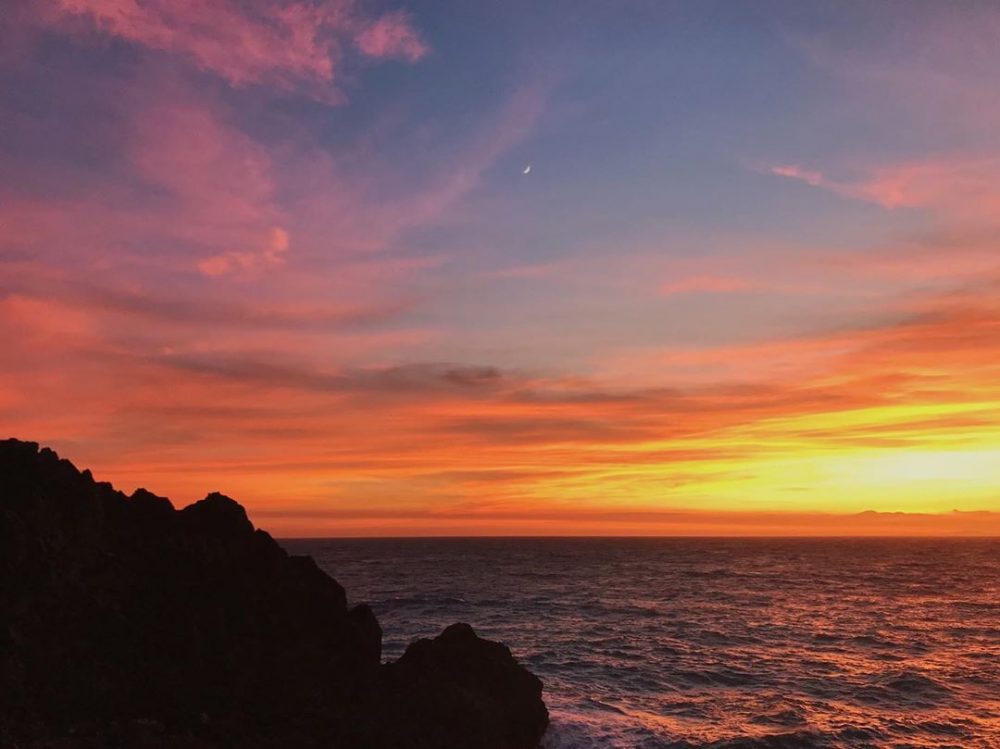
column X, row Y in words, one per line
column 705, row 285
column 936, row 70
column 954, row 186
column 793, row 171
column 290, row 44
column 272, row 253
column 959, row 187
column 532, row 270
column 191, row 190
column 220, row 181
column 937, row 258
column 932, row 76
column 343, row 204
column 392, row 35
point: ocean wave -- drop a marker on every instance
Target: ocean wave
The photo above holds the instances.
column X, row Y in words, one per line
column 909, row 688
column 668, row 645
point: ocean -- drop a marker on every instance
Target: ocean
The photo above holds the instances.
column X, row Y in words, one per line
column 722, row 643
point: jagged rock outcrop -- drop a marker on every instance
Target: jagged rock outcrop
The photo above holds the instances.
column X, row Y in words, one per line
column 125, row 622
column 465, row 683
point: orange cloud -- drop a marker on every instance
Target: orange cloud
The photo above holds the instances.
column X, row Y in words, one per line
column 310, row 522
column 232, row 303
column 445, row 448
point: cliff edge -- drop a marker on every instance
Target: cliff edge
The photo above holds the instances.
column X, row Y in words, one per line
column 126, row 622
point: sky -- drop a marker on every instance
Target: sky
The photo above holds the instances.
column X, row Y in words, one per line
column 292, row 250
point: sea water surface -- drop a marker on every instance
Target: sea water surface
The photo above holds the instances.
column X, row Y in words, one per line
column 724, row 643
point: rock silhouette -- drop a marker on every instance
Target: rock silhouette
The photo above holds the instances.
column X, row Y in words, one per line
column 126, row 622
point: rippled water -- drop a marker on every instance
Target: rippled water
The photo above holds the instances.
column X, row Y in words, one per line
column 680, row 643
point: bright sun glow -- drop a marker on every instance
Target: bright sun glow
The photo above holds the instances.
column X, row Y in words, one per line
column 372, row 279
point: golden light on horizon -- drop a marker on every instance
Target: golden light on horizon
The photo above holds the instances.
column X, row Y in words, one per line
column 375, row 321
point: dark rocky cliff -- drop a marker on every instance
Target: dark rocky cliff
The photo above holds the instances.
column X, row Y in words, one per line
column 125, row 622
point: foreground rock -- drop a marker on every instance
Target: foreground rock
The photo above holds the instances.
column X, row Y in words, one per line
column 125, row 622
column 460, row 683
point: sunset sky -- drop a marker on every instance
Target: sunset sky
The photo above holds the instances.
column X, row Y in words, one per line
column 290, row 251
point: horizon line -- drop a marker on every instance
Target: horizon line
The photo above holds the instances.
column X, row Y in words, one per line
column 585, row 537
